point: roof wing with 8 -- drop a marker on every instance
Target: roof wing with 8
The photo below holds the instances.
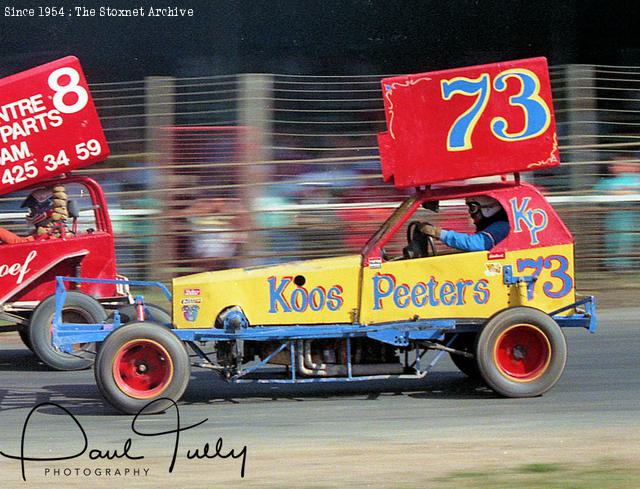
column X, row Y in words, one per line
column 48, row 124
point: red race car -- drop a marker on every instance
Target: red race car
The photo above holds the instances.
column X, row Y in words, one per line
column 48, row 127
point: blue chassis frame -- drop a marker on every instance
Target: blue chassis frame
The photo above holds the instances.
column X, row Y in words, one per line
column 399, row 334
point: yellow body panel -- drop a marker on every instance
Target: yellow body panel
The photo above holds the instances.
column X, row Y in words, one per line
column 466, row 285
column 328, row 293
column 339, row 290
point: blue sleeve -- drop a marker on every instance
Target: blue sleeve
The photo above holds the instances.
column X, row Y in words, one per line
column 482, row 241
column 466, row 242
column 498, row 231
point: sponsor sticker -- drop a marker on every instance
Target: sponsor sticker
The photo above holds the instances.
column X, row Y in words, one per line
column 190, row 313
column 190, row 301
column 492, row 269
column 191, row 292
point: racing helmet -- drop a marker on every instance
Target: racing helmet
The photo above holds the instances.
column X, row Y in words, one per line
column 40, row 205
column 487, row 206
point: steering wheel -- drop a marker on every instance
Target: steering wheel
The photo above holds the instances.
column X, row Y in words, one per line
column 419, row 244
column 384, row 254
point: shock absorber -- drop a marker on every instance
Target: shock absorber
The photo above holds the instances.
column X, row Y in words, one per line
column 140, row 313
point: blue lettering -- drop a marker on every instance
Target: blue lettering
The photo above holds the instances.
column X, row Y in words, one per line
column 430, row 294
column 334, row 298
column 275, row 295
column 528, row 216
column 462, row 285
column 432, row 284
column 536, row 228
column 378, row 293
column 446, row 292
column 561, row 272
column 481, row 293
column 537, row 265
column 519, row 213
column 299, row 299
column 317, row 299
column 419, row 294
column 401, row 296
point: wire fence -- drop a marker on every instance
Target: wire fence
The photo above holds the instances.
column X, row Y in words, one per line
column 214, row 172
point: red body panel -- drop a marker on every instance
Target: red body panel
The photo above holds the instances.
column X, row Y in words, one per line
column 48, row 124
column 29, row 269
column 468, row 122
column 532, row 220
column 534, row 223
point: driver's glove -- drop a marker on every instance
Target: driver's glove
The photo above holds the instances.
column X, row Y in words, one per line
column 431, row 230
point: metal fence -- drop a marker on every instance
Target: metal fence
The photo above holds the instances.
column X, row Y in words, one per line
column 208, row 173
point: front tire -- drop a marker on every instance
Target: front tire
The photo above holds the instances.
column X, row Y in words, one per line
column 521, row 352
column 139, row 363
column 78, row 308
column 24, row 336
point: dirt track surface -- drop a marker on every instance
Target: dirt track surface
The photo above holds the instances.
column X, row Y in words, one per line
column 361, row 435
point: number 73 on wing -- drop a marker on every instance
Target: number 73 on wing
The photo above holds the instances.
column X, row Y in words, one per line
column 535, row 111
column 473, row 121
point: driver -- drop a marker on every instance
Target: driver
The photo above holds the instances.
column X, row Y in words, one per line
column 492, row 226
column 41, row 214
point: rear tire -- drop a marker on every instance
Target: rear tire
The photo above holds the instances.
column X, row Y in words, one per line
column 139, row 363
column 521, row 352
column 468, row 366
column 78, row 308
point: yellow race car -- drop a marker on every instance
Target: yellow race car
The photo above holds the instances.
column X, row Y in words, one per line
column 494, row 297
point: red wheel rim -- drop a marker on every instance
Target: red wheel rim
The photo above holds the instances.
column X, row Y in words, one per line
column 142, row 369
column 522, row 353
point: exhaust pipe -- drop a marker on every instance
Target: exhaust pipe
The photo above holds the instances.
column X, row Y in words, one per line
column 307, row 367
